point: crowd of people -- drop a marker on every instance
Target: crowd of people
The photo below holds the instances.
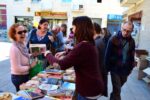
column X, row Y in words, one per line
column 95, row 52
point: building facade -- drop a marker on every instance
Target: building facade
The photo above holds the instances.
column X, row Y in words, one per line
column 138, row 12
column 29, row 12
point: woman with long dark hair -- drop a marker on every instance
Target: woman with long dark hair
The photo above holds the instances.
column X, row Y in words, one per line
column 84, row 58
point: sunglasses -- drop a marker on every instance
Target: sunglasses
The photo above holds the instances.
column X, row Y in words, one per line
column 20, row 32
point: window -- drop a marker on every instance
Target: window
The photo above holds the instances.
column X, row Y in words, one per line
column 66, row 1
column 35, row 1
column 17, row 0
column 80, row 7
column 99, row 1
column 3, row 17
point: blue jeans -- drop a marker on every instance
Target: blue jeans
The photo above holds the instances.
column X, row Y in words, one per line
column 83, row 98
column 17, row 80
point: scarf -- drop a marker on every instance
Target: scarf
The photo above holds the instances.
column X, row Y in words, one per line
column 23, row 49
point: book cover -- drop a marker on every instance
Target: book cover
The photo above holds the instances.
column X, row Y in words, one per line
column 68, row 86
column 37, row 48
column 60, row 93
column 48, row 87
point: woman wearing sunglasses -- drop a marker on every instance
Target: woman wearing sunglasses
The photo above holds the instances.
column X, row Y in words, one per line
column 19, row 56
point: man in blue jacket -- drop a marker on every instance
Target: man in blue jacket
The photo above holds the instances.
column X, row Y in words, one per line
column 119, row 58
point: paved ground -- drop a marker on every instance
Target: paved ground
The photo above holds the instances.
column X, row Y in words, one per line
column 133, row 90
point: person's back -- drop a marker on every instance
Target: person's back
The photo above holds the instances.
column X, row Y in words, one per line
column 84, row 58
column 60, row 42
column 100, row 45
column 85, row 74
column 106, row 34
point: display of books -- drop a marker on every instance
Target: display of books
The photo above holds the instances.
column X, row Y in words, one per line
column 68, row 86
column 29, row 94
column 48, row 87
column 22, row 98
column 37, row 48
column 57, row 76
column 53, row 81
column 54, row 71
column 29, row 84
column 69, row 78
column 60, row 93
column 44, row 75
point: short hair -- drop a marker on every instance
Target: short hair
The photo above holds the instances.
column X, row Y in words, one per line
column 43, row 20
column 12, row 31
column 64, row 29
column 64, row 25
column 97, row 28
column 84, row 29
column 106, row 32
column 55, row 27
column 129, row 23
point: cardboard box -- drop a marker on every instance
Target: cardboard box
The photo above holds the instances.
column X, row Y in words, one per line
column 139, row 52
column 141, row 74
column 142, row 63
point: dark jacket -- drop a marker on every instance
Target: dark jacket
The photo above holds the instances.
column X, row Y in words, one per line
column 100, row 44
column 114, row 54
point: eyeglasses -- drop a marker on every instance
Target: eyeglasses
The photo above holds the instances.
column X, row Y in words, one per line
column 20, row 32
column 128, row 31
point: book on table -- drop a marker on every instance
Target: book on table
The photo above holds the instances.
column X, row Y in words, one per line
column 30, row 94
column 37, row 48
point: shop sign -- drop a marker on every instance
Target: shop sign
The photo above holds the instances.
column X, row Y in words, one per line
column 114, row 17
column 50, row 14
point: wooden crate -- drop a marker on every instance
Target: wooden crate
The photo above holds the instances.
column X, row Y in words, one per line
column 141, row 74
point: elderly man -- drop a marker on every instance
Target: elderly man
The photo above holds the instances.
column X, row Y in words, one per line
column 59, row 39
column 119, row 58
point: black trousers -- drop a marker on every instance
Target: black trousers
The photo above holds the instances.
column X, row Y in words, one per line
column 117, row 82
column 17, row 80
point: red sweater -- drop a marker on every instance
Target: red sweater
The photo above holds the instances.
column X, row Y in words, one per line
column 84, row 58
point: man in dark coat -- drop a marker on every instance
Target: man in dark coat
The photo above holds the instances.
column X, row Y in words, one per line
column 119, row 58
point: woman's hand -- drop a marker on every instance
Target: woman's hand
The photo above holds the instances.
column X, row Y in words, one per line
column 47, row 52
column 56, row 65
column 33, row 64
column 59, row 54
column 51, row 38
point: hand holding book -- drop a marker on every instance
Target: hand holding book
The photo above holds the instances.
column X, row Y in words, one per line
column 37, row 49
column 33, row 63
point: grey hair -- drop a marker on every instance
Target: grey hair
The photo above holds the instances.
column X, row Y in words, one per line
column 129, row 23
column 55, row 27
